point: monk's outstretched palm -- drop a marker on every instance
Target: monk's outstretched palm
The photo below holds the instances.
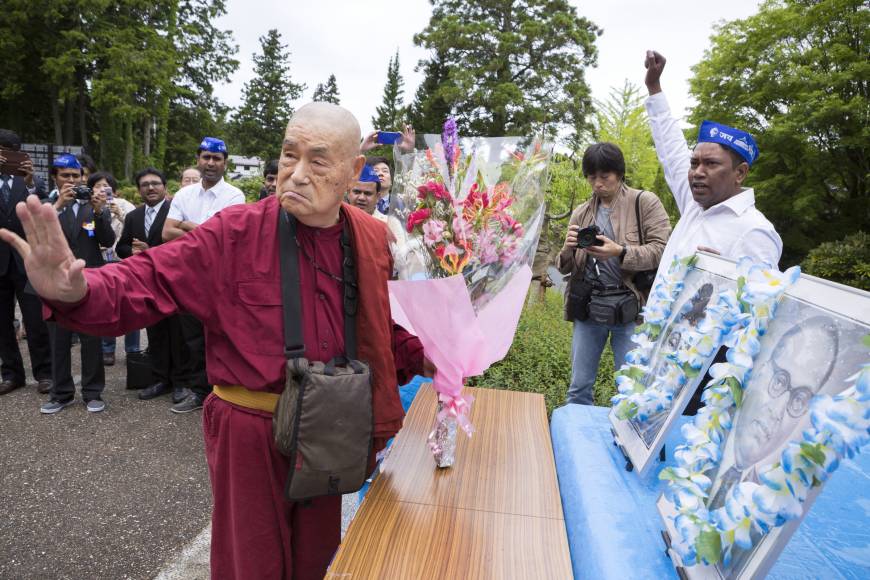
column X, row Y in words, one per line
column 51, row 267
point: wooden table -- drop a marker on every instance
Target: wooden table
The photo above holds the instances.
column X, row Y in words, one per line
column 495, row 514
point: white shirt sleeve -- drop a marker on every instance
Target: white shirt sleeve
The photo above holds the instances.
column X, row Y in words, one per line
column 176, row 210
column 238, row 198
column 760, row 244
column 671, row 148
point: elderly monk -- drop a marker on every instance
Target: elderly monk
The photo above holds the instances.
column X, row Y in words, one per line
column 226, row 273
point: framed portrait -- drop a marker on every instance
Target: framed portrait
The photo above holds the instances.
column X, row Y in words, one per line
column 641, row 441
column 812, row 346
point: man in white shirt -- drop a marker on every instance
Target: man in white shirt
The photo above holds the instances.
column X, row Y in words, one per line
column 191, row 206
column 195, row 203
column 717, row 213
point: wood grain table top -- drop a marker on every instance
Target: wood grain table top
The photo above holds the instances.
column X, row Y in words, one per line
column 495, row 514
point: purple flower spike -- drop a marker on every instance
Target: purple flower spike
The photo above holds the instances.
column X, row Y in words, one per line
column 450, row 139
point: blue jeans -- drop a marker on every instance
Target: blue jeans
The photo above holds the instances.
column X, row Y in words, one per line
column 586, row 347
column 131, row 343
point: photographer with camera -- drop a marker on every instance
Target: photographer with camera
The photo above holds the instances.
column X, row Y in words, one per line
column 613, row 247
column 86, row 225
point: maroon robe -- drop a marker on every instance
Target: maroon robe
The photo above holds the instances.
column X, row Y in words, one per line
column 227, row 274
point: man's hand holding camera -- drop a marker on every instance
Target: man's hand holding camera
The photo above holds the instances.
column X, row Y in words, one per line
column 607, row 249
column 65, row 195
column 590, row 239
column 27, row 169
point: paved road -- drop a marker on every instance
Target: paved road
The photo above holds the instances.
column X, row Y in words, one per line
column 105, row 495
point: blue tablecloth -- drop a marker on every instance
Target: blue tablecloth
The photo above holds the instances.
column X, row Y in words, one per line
column 614, row 527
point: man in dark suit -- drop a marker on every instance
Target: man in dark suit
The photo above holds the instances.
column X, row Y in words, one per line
column 86, row 225
column 15, row 186
column 143, row 229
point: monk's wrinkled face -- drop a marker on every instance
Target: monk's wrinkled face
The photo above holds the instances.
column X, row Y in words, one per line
column 317, row 165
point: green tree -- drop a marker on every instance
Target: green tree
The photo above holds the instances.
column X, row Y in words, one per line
column 326, row 92
column 430, row 109
column 259, row 123
column 203, row 56
column 514, row 66
column 796, row 75
column 108, row 75
column 390, row 115
column 622, row 120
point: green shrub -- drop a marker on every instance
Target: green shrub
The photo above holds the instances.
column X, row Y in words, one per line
column 250, row 186
column 539, row 360
column 846, row 261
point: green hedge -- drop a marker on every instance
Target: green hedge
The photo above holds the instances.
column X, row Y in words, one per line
column 846, row 261
column 539, row 360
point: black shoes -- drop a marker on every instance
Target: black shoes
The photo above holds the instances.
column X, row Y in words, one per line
column 8, row 386
column 191, row 403
column 154, row 390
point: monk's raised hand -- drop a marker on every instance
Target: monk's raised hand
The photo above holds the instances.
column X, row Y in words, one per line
column 51, row 267
column 655, row 64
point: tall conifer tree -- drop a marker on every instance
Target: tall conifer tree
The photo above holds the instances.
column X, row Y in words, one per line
column 391, row 114
column 259, row 123
column 327, row 92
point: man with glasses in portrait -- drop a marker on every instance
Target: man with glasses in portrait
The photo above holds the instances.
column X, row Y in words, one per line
column 777, row 400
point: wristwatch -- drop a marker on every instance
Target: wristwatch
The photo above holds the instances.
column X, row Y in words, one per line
column 622, row 253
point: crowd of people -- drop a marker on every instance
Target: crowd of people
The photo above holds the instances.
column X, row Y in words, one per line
column 202, row 268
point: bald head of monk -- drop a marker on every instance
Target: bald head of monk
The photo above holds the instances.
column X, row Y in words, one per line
column 319, row 161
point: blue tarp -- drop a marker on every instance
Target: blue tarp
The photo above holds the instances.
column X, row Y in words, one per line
column 614, row 527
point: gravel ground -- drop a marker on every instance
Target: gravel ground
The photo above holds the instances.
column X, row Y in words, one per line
column 115, row 494
column 118, row 494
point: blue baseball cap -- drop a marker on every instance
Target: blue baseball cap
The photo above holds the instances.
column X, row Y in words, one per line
column 368, row 174
column 213, row 145
column 66, row 161
column 739, row 141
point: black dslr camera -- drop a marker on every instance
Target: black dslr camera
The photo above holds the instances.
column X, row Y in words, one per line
column 586, row 237
column 83, row 192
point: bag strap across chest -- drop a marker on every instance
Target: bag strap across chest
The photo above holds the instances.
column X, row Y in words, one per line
column 291, row 296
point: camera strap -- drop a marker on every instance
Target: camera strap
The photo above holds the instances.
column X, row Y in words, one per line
column 294, row 343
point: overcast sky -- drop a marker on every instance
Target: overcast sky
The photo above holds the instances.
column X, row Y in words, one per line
column 354, row 40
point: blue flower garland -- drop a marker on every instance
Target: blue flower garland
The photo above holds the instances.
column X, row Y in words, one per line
column 634, row 400
column 840, row 426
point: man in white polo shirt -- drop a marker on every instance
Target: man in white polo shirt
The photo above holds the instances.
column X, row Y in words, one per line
column 717, row 213
column 191, row 206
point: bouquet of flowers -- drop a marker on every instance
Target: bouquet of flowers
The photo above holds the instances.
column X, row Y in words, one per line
column 466, row 215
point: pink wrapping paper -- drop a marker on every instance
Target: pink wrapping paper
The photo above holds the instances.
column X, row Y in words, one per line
column 458, row 341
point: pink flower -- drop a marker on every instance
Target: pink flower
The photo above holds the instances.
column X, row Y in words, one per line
column 416, row 217
column 462, row 228
column 509, row 253
column 487, row 248
column 435, row 189
column 433, row 232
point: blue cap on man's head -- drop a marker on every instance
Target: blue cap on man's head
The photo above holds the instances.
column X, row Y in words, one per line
column 735, row 139
column 66, row 161
column 213, row 145
column 368, row 174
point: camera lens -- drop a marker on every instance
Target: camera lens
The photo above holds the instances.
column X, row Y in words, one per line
column 586, row 237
